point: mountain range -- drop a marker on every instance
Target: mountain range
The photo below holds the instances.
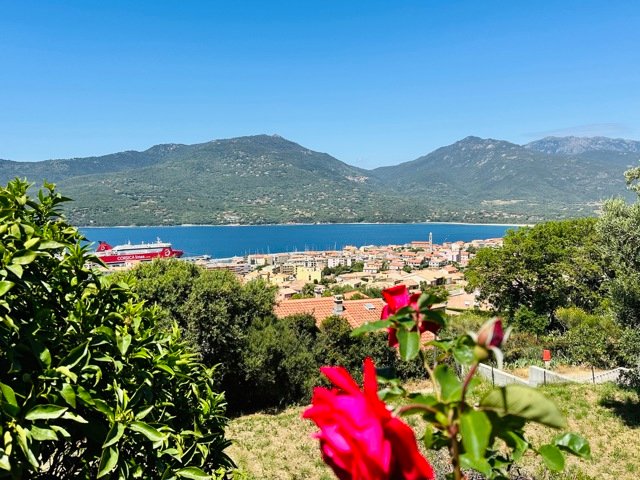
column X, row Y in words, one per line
column 268, row 179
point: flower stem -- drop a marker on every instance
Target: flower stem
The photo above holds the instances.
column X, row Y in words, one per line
column 454, row 451
column 467, row 380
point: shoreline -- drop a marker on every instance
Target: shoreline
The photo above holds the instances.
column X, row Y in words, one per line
column 190, row 225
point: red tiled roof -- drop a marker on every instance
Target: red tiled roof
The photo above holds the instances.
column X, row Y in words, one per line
column 354, row 311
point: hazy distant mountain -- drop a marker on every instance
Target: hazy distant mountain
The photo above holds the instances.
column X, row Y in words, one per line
column 578, row 145
column 267, row 179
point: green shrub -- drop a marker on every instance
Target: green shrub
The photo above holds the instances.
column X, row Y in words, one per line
column 91, row 387
column 336, row 346
column 279, row 362
column 215, row 311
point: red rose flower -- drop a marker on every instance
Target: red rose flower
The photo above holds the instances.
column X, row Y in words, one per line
column 359, row 438
column 398, row 297
column 491, row 334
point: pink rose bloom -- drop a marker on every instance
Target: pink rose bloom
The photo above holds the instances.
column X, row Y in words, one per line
column 359, row 438
column 398, row 297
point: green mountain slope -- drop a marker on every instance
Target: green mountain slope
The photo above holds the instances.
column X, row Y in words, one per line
column 486, row 177
column 259, row 179
column 267, row 179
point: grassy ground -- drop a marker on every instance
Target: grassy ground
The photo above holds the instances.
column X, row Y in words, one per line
column 280, row 446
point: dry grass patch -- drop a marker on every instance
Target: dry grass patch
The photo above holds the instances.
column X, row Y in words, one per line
column 609, row 417
column 276, row 447
column 280, row 446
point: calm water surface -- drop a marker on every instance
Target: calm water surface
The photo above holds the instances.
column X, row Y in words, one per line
column 227, row 241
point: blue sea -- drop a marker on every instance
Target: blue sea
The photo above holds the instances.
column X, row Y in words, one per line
column 228, row 241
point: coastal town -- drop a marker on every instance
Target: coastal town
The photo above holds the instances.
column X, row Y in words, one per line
column 348, row 282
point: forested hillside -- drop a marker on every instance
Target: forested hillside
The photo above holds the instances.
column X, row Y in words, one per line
column 267, row 179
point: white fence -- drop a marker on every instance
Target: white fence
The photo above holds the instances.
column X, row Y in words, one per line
column 542, row 376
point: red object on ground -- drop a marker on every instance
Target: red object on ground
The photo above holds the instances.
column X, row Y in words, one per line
column 546, row 355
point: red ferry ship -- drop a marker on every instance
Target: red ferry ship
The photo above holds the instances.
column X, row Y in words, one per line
column 139, row 252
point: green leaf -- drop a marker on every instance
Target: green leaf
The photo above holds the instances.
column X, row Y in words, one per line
column 165, row 368
column 84, row 395
column 147, row 430
column 9, row 404
column 475, row 429
column 42, row 434
column 32, row 242
column 17, row 270
column 574, row 444
column 450, row 384
column 108, row 461
column 193, row 473
column 67, row 373
column 5, row 463
column 123, row 343
column 552, row 456
column 516, row 442
column 9, row 395
column 61, row 431
column 114, row 435
column 143, row 413
column 23, row 443
column 45, row 412
column 74, row 356
column 104, row 408
column 479, row 464
column 409, row 344
column 49, row 244
column 463, row 354
column 5, row 286
column 24, row 259
column 427, row 438
column 74, row 416
column 43, row 353
column 69, row 394
column 524, row 402
column 371, row 327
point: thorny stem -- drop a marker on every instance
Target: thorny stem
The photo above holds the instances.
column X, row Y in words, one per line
column 454, row 447
column 454, row 451
column 467, row 380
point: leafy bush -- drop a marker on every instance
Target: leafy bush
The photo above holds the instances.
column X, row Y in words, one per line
column 91, row 387
column 526, row 320
column 279, row 362
column 214, row 309
column 335, row 345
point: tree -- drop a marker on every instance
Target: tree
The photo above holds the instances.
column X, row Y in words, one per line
column 279, row 361
column 550, row 265
column 619, row 227
column 215, row 311
column 90, row 386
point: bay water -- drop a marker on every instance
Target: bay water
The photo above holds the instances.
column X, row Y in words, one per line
column 227, row 241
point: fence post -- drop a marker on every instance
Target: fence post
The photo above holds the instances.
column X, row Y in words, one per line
column 593, row 374
column 544, row 376
column 493, row 380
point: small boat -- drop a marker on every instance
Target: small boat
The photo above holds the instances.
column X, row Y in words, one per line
column 139, row 252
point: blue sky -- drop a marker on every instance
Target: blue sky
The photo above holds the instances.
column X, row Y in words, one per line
column 372, row 83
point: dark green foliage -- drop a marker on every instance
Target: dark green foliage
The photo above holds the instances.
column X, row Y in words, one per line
column 90, row 386
column 526, row 320
column 620, row 232
column 551, row 265
column 214, row 309
column 279, row 362
column 336, row 346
